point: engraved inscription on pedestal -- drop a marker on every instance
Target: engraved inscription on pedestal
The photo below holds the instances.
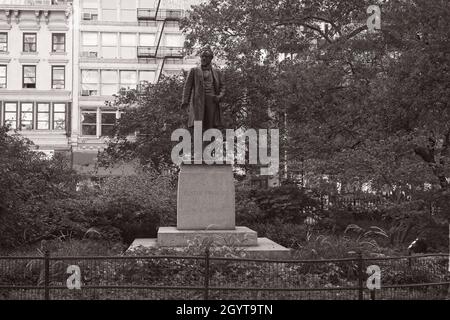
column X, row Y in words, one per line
column 206, row 198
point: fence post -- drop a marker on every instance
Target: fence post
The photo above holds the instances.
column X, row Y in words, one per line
column 206, row 293
column 47, row 275
column 360, row 276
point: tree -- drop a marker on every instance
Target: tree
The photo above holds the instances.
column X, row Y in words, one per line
column 27, row 177
column 358, row 106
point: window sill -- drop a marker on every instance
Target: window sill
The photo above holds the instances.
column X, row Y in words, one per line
column 31, row 53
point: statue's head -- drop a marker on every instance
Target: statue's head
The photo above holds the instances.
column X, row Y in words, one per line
column 206, row 56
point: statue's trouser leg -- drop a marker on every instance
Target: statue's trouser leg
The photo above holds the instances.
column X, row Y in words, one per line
column 209, row 118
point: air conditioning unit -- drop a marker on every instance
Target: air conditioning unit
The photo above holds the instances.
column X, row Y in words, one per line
column 93, row 54
column 85, row 93
column 87, row 16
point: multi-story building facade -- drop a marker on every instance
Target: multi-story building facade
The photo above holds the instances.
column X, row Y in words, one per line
column 121, row 44
column 73, row 56
column 36, row 70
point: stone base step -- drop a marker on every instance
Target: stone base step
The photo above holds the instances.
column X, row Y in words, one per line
column 265, row 249
column 173, row 237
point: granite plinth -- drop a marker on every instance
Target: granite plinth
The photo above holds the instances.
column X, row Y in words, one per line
column 206, row 197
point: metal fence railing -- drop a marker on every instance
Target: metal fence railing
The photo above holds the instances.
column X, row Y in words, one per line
column 212, row 278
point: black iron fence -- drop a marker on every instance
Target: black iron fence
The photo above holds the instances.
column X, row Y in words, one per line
column 209, row 277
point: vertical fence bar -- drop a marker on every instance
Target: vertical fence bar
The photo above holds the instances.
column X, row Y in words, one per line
column 360, row 276
column 47, row 275
column 206, row 293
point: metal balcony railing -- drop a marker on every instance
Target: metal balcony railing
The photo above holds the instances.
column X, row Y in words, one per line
column 35, row 2
column 153, row 14
column 161, row 52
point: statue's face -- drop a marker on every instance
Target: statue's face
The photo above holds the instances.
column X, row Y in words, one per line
column 206, row 58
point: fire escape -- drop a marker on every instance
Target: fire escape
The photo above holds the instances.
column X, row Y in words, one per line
column 146, row 54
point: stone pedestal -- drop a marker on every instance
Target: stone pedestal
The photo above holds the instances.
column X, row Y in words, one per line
column 206, row 210
column 205, row 198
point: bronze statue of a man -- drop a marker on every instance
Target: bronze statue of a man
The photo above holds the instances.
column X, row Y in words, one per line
column 203, row 91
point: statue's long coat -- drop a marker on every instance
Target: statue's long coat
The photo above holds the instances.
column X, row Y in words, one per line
column 193, row 94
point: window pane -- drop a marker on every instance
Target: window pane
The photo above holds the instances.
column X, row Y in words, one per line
column 3, row 77
column 89, row 76
column 90, row 38
column 3, row 42
column 29, row 76
column 59, row 121
column 109, row 14
column 109, row 52
column 43, row 117
column 146, row 39
column 26, row 116
column 90, row 4
column 128, row 52
column 10, row 107
column 148, row 76
column 27, row 107
column 108, row 4
column 107, row 130
column 109, row 89
column 128, row 77
column 89, row 130
column 108, row 118
column 109, row 39
column 89, row 118
column 128, row 39
column 59, row 107
column 9, row 116
column 109, row 76
column 128, row 15
column 89, row 123
column 43, row 125
column 29, row 42
column 127, row 4
column 174, row 40
column 146, row 3
column 43, row 107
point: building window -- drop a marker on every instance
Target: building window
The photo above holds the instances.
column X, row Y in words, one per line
column 108, row 121
column 128, row 46
column 43, row 116
column 89, row 83
column 173, row 40
column 128, row 10
column 58, row 42
column 89, row 42
column 10, row 114
column 109, row 10
column 128, row 80
column 147, row 39
column 29, row 76
column 90, row 10
column 3, row 76
column 59, row 116
column 58, row 77
column 146, row 76
column 109, row 45
column 109, row 83
column 26, row 116
column 89, row 123
column 3, row 42
column 29, row 42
